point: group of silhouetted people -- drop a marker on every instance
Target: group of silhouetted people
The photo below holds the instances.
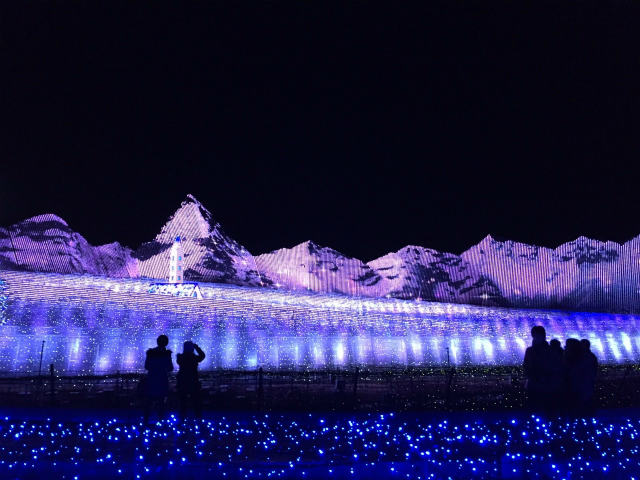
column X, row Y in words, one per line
column 159, row 364
column 559, row 379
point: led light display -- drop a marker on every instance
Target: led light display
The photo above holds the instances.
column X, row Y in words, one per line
column 322, row 447
column 583, row 274
column 92, row 324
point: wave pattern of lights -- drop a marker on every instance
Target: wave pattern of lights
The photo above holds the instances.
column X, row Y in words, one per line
column 322, row 447
column 100, row 325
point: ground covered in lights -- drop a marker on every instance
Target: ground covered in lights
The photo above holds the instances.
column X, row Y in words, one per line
column 76, row 445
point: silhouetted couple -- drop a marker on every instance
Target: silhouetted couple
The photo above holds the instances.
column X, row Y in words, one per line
column 558, row 379
column 159, row 364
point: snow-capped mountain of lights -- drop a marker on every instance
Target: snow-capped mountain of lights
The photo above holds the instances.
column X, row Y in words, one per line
column 209, row 254
column 45, row 243
column 584, row 274
column 308, row 266
column 92, row 324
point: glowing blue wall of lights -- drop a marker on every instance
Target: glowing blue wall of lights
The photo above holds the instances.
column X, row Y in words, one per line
column 98, row 325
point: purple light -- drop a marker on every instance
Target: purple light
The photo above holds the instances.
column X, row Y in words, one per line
column 93, row 324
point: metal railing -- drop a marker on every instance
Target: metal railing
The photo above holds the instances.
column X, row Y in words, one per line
column 470, row 388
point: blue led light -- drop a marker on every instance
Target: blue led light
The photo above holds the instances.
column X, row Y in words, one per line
column 357, row 446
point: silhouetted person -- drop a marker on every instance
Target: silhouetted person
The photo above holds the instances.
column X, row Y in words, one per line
column 556, row 375
column 188, row 383
column 574, row 375
column 537, row 370
column 590, row 365
column 556, row 349
column 158, row 363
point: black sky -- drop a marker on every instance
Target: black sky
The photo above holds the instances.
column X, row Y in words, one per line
column 362, row 127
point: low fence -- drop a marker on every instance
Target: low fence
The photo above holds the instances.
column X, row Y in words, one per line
column 468, row 388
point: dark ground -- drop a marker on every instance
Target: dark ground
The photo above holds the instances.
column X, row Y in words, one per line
column 434, row 389
column 405, row 423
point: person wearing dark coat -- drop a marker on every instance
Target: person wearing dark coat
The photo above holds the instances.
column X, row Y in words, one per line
column 575, row 375
column 158, row 364
column 537, row 370
column 556, row 377
column 590, row 365
column 187, row 379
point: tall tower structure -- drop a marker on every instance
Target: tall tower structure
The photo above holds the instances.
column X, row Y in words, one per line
column 176, row 271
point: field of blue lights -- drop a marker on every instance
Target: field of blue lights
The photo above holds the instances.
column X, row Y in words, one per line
column 100, row 325
column 320, row 446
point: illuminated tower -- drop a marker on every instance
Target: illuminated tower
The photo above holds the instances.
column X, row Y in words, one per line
column 176, row 272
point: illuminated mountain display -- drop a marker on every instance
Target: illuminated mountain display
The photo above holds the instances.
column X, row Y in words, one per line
column 45, row 243
column 584, row 274
column 209, row 253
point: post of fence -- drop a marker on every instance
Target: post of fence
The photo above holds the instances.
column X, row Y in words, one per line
column 41, row 354
column 356, row 375
column 450, row 374
column 40, row 387
column 260, row 388
column 52, row 386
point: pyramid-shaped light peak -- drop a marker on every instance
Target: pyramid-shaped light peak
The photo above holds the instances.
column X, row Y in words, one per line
column 479, row 248
column 489, row 239
column 485, row 242
column 191, row 220
column 313, row 247
column 191, row 199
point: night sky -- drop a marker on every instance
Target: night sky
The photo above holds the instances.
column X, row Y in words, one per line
column 364, row 128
